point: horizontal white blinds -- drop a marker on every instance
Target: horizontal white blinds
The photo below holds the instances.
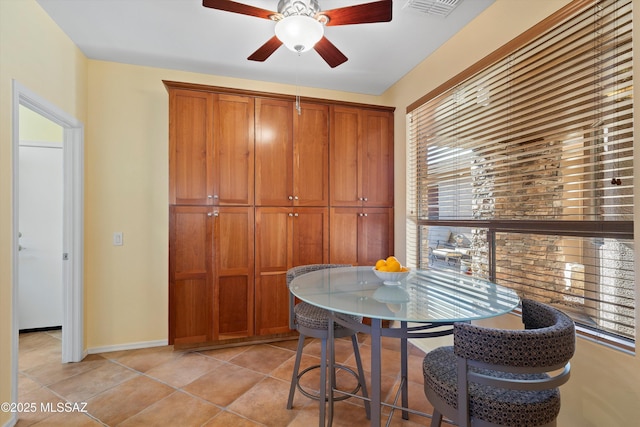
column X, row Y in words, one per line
column 546, row 133
column 531, row 161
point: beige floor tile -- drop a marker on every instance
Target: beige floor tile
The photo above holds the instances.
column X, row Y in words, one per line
column 51, row 373
column 184, row 370
column 262, row 358
column 228, row 419
column 177, row 409
column 266, row 403
column 75, row 419
column 224, row 384
column 127, row 399
column 35, row 401
column 144, row 359
column 84, row 386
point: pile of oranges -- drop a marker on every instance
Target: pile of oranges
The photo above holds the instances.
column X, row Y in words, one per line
column 391, row 265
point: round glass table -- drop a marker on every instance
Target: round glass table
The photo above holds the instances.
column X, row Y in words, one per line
column 425, row 304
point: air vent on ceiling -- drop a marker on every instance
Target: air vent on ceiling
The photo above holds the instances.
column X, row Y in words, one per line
column 432, row 7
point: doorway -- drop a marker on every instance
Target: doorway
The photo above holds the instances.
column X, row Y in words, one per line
column 72, row 223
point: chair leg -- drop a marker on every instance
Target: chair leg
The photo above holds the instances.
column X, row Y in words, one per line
column 436, row 419
column 323, row 381
column 296, row 369
column 361, row 377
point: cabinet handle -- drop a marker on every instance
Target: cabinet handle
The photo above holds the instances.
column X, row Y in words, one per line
column 295, row 198
column 215, row 196
column 290, row 214
column 214, row 213
column 362, row 214
column 295, row 214
column 365, row 199
column 290, row 197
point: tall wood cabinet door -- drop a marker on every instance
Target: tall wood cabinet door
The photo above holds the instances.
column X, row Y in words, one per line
column 190, row 274
column 360, row 236
column 190, row 147
column 234, row 272
column 311, row 156
column 274, row 228
column 274, row 151
column 233, row 142
column 377, row 156
column 343, row 235
column 345, row 149
column 310, row 244
column 375, row 235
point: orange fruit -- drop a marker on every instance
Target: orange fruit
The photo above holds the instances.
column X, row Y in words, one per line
column 392, row 258
column 383, row 268
column 380, row 263
column 394, row 266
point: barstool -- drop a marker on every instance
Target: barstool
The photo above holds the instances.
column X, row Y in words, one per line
column 312, row 321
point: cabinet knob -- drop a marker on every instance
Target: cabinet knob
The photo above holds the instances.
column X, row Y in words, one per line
column 295, row 214
column 295, row 198
column 290, row 214
column 362, row 214
column 215, row 196
column 290, row 197
column 365, row 199
column 214, row 213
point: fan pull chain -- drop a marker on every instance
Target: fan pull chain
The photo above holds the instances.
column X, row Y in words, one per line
column 298, row 108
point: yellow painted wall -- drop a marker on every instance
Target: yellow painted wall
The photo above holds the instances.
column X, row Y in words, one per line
column 124, row 109
column 35, row 52
column 604, row 389
column 127, row 190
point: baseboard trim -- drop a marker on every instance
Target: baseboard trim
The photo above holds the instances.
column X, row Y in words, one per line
column 130, row 346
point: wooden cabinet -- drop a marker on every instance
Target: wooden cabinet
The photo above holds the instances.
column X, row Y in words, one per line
column 256, row 188
column 211, row 273
column 285, row 237
column 361, row 150
column 360, row 236
column 292, row 154
column 210, row 135
column 190, row 147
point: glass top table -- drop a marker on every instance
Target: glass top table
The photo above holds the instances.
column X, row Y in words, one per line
column 432, row 299
column 424, row 296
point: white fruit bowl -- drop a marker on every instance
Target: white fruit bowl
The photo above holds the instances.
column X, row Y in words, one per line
column 391, row 278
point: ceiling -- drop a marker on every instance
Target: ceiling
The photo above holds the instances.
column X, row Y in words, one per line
column 184, row 35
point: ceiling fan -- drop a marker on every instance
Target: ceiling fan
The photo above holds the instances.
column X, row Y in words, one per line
column 300, row 24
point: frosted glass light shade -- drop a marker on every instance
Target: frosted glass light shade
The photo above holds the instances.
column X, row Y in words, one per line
column 299, row 33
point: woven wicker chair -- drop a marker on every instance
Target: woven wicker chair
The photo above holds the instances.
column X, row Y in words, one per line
column 312, row 321
column 507, row 377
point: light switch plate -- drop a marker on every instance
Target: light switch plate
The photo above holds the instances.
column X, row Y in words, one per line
column 117, row 238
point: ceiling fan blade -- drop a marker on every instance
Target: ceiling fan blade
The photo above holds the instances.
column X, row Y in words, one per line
column 330, row 53
column 377, row 11
column 235, row 7
column 266, row 50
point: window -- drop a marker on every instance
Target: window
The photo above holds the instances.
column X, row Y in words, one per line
column 522, row 171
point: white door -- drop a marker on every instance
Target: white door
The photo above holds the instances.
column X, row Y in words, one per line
column 40, row 228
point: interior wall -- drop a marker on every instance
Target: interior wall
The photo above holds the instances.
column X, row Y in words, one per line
column 603, row 389
column 127, row 191
column 30, row 43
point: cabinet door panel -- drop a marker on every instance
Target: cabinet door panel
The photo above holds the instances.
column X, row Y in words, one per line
column 310, row 236
column 274, row 151
column 273, row 254
column 311, row 156
column 190, row 147
column 377, row 171
column 345, row 162
column 375, row 235
column 234, row 272
column 233, row 140
column 343, row 240
column 190, row 275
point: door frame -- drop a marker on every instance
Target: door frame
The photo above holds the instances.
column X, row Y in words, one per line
column 72, row 224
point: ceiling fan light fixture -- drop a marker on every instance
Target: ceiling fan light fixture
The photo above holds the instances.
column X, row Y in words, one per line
column 299, row 33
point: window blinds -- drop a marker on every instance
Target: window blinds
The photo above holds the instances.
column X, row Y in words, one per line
column 534, row 156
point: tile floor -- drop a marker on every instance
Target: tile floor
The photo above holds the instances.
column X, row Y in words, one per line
column 240, row 386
